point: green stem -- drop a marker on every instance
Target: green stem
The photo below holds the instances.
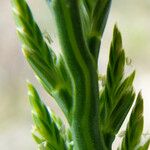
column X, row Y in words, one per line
column 85, row 119
column 83, row 71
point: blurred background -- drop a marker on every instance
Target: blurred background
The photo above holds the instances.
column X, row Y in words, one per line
column 133, row 19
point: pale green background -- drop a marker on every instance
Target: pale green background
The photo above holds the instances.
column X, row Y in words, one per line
column 133, row 19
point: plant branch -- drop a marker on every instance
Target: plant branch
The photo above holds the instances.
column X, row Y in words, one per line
column 41, row 57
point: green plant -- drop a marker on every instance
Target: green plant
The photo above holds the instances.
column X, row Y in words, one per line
column 95, row 113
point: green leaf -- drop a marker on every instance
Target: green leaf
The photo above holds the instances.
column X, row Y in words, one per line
column 94, row 14
column 100, row 15
column 135, row 126
column 42, row 58
column 29, row 32
column 117, row 96
column 45, row 128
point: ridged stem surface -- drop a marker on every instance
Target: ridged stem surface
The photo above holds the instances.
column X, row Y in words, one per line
column 85, row 120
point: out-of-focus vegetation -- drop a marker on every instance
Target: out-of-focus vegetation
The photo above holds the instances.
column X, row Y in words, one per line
column 132, row 17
